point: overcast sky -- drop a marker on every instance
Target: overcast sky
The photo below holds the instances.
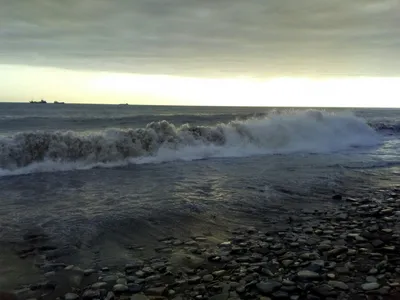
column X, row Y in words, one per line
column 205, row 37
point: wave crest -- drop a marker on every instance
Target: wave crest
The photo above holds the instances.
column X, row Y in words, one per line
column 311, row 131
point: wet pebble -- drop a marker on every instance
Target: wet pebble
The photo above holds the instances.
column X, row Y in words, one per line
column 71, row 296
column 370, row 286
column 120, row 288
column 267, row 287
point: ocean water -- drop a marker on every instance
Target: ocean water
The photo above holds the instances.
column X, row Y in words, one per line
column 100, row 179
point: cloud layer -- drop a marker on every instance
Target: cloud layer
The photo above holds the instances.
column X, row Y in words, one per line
column 205, row 37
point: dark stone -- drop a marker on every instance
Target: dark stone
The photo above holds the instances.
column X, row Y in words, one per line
column 238, row 250
column 337, row 197
column 194, row 280
column 324, row 290
column 377, row 243
column 280, row 295
column 47, row 248
column 337, row 251
column 289, row 289
column 156, row 291
column 268, row 287
column 134, row 288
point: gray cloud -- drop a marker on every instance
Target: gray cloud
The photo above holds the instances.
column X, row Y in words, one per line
column 205, row 37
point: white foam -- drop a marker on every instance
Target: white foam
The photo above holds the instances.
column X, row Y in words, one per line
column 291, row 132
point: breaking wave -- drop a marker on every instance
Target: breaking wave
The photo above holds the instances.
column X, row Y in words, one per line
column 308, row 132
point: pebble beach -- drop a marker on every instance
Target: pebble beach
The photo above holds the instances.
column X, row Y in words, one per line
column 346, row 252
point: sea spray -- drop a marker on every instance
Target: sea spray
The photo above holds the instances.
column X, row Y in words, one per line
column 305, row 131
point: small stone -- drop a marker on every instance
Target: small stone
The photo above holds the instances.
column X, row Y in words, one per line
column 49, row 274
column 351, row 252
column 308, row 275
column 377, row 243
column 308, row 230
column 148, row 270
column 331, row 275
column 120, row 288
column 88, row 272
column 280, row 295
column 288, row 282
column 134, row 265
column 324, row 290
column 287, row 262
column 208, row 278
column 223, row 296
column 110, row 278
column 370, row 286
column 384, row 290
column 267, row 287
column 219, row 273
column 90, row 294
column 71, row 296
column 337, row 251
column 316, row 265
column 337, row 197
column 99, row 285
column 371, row 279
column 194, row 280
column 122, row 281
column 338, row 285
column 134, row 288
column 156, row 291
column 152, row 278
column 139, row 297
column 225, row 244
column 394, row 284
column 373, row 271
column 110, row 296
column 389, row 248
column 342, row 270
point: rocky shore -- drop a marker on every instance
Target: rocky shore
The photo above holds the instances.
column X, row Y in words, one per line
column 347, row 252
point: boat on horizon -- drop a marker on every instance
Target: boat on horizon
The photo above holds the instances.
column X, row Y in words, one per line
column 38, row 102
column 56, row 102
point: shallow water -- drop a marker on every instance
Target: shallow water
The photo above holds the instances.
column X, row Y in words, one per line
column 95, row 213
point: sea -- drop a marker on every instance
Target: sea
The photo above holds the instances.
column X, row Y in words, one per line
column 105, row 182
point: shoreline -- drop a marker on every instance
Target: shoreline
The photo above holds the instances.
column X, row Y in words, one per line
column 344, row 252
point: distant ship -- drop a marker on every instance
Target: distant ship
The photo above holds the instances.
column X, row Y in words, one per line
column 39, row 102
column 56, row 102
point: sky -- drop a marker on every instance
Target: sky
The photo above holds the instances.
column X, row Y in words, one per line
column 221, row 52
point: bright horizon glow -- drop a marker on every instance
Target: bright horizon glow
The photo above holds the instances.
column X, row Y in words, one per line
column 22, row 83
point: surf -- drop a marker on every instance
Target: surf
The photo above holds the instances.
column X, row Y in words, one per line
column 310, row 131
